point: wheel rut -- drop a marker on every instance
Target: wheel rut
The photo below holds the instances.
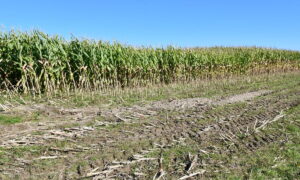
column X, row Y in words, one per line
column 220, row 127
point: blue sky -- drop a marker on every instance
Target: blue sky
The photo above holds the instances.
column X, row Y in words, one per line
column 185, row 23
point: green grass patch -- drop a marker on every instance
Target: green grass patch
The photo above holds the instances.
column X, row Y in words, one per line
column 4, row 119
column 8, row 155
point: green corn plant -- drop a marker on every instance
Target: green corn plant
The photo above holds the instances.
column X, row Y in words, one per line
column 34, row 62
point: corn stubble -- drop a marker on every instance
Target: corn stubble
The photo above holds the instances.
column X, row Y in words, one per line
column 34, row 62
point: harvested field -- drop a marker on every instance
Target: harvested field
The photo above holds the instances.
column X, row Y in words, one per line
column 208, row 131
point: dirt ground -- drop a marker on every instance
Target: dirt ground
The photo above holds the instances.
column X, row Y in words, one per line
column 183, row 138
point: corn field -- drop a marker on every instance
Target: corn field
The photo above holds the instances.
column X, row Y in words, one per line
column 36, row 62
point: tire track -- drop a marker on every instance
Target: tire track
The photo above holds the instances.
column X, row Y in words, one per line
column 208, row 125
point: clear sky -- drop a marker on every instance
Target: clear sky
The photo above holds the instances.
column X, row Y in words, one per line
column 185, row 23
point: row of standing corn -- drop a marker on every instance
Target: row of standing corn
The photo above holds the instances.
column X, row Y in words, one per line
column 36, row 62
